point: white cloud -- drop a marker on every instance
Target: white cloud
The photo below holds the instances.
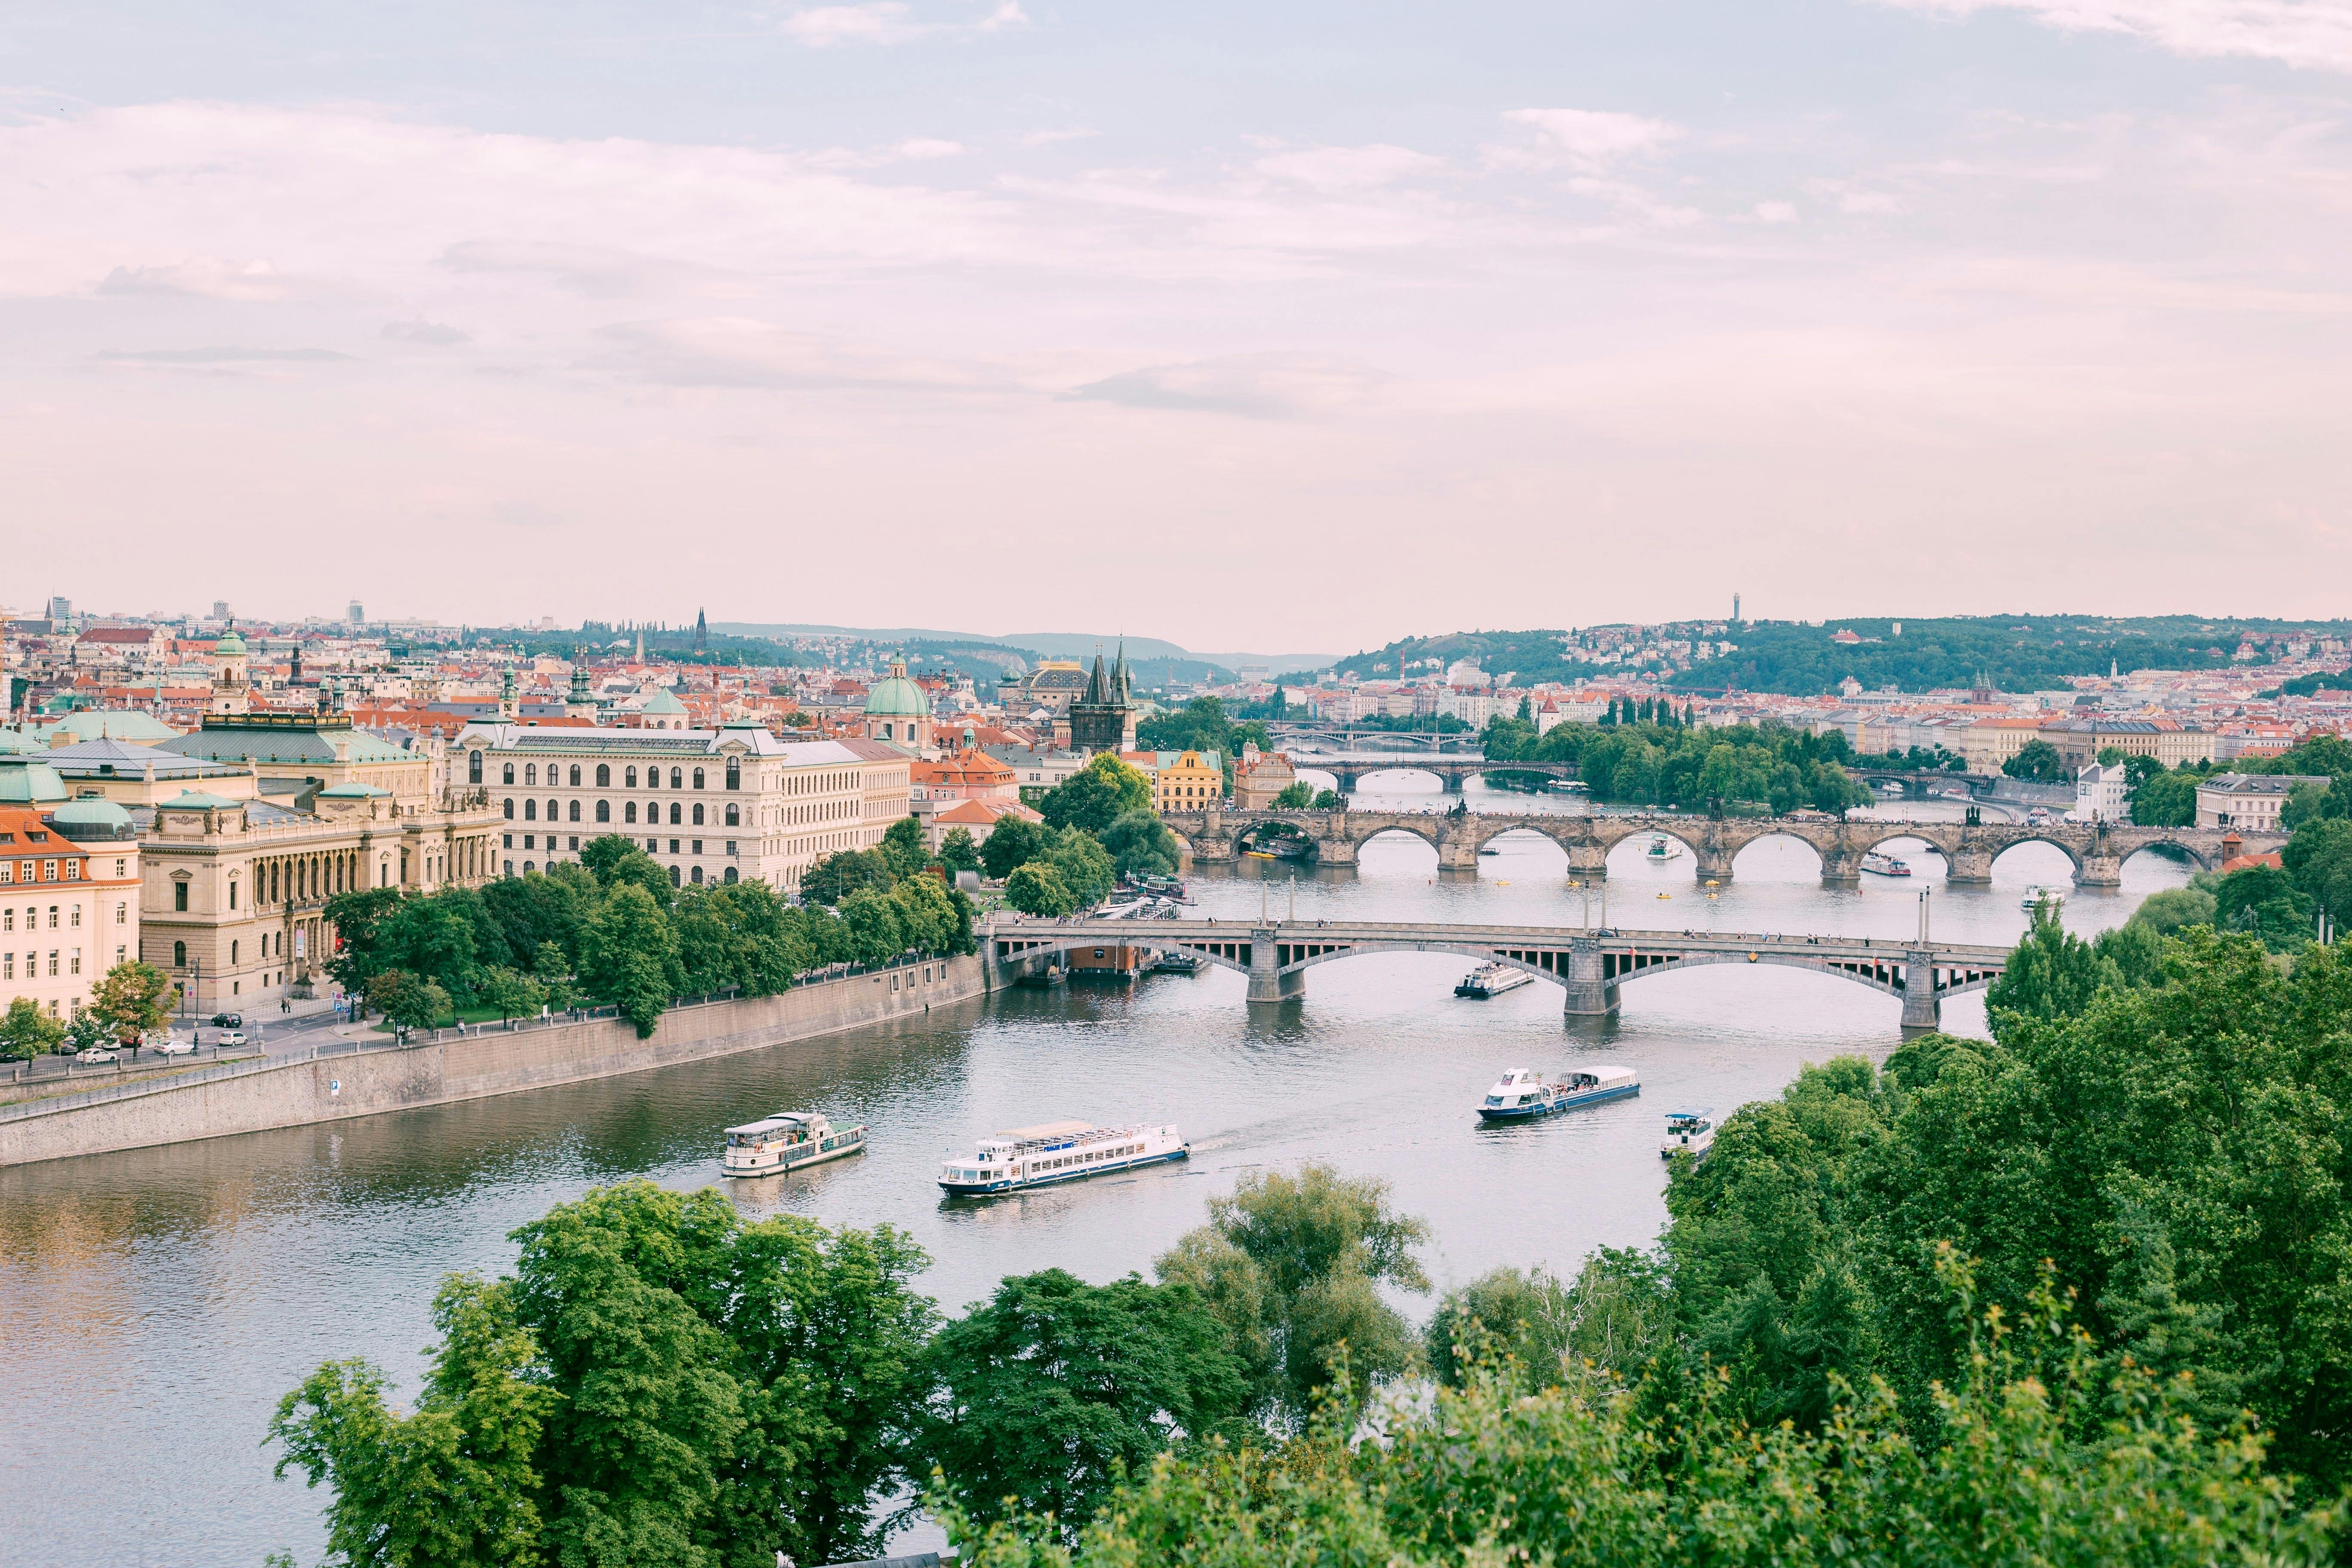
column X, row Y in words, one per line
column 2312, row 34
column 1278, row 386
column 203, row 277
column 1347, row 168
column 929, row 147
column 421, row 331
column 886, row 22
column 1587, row 139
column 740, row 351
column 1776, row 212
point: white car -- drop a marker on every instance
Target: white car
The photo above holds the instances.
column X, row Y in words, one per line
column 98, row 1054
column 173, row 1047
column 230, row 1037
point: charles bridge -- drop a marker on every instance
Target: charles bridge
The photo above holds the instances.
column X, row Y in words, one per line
column 1591, row 965
column 2097, row 850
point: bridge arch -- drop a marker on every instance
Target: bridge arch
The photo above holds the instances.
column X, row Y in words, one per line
column 2073, row 856
column 1910, row 831
column 1691, row 834
column 2195, row 855
column 1429, row 835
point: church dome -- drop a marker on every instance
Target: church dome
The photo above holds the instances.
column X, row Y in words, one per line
column 92, row 818
column 896, row 697
column 230, row 645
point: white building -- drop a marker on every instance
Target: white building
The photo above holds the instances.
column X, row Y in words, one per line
column 2248, row 800
column 714, row 806
column 2102, row 792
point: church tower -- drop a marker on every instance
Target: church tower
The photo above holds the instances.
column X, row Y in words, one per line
column 1104, row 718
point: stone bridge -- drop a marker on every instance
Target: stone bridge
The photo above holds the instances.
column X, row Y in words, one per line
column 2097, row 850
column 1589, row 965
column 1349, row 767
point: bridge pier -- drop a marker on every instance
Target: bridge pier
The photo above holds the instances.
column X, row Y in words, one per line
column 1969, row 867
column 1922, row 1008
column 1336, row 850
column 1267, row 981
column 1590, row 993
column 2100, row 871
column 1714, row 863
column 1588, row 863
column 1841, row 867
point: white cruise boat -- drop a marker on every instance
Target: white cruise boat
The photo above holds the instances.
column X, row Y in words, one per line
column 1885, row 865
column 1662, row 847
column 1492, row 980
column 1689, row 1133
column 1522, row 1095
column 786, row 1142
column 1059, row 1152
column 2042, row 893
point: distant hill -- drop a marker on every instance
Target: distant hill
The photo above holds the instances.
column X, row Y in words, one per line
column 1050, row 644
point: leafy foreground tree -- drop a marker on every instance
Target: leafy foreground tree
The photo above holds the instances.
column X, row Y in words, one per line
column 2037, row 1463
column 1037, row 888
column 1292, row 1266
column 1052, row 1391
column 131, row 1001
column 26, row 1031
column 659, row 1385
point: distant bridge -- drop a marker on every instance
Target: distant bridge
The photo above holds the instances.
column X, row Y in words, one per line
column 1350, row 767
column 1589, row 965
column 2097, row 850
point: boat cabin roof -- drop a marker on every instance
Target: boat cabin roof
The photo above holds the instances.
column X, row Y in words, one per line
column 1691, row 1113
column 783, row 1121
column 1605, row 1078
column 1043, row 1130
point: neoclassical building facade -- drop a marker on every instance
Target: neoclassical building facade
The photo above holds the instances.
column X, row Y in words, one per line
column 729, row 804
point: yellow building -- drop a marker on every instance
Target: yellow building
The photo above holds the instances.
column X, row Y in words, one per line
column 1189, row 780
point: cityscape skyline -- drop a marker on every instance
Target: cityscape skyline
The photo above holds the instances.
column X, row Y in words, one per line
column 1497, row 319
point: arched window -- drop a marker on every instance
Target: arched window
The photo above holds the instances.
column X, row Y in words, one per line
column 509, row 811
column 697, row 876
column 731, row 873
column 473, row 767
column 553, row 811
column 604, row 776
column 734, row 772
column 697, row 814
column 604, row 811
column 232, row 952
column 509, row 777
column 673, row 876
column 677, row 779
column 527, row 865
column 179, row 955
column 575, row 811
column 629, row 811
column 575, row 776
column 734, row 815
column 630, row 778
column 531, row 773
column 530, row 811
column 673, row 813
column 698, row 778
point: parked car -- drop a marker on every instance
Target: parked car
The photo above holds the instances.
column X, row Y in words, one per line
column 231, row 1038
column 98, row 1054
column 228, row 1020
column 173, row 1047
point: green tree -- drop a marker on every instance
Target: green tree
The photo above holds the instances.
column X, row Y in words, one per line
column 2318, row 860
column 1013, row 841
column 2051, row 974
column 1138, row 841
column 1615, row 1318
column 958, row 852
column 26, row 1031
column 1083, row 865
column 905, row 846
column 830, row 879
column 2175, row 909
column 551, row 968
column 514, row 993
column 2264, row 900
column 355, row 916
column 736, row 936
column 1036, row 889
column 132, row 1001
column 538, row 908
column 454, row 1483
column 86, row 1031
column 1330, row 800
column 1297, row 795
column 2168, row 799
column 614, row 859
column 877, row 933
column 628, row 956
column 2037, row 760
column 1294, row 1264
column 926, row 914
column 1052, row 1391
column 438, row 936
column 410, row 1000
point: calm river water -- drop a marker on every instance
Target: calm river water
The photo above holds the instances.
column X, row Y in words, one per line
column 154, row 1305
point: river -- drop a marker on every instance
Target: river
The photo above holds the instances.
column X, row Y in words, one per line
column 154, row 1305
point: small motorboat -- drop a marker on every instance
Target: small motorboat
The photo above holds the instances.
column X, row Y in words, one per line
column 1177, row 963
column 1689, row 1133
column 1522, row 1095
column 1885, row 865
column 786, row 1142
column 1491, row 980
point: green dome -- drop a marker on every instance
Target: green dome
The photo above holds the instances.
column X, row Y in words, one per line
column 90, row 810
column 230, row 645
column 896, row 697
column 28, row 780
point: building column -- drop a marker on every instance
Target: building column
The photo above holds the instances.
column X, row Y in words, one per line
column 1267, row 982
column 1589, row 994
column 1922, row 1008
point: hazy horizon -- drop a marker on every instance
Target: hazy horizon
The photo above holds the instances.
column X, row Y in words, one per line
column 1307, row 328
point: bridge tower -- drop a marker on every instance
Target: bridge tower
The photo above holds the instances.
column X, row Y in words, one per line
column 1590, row 993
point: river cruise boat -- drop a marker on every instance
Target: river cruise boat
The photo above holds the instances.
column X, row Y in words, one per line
column 786, row 1142
column 1491, row 980
column 1522, row 1095
column 1059, row 1152
column 1662, row 848
column 1689, row 1133
column 1177, row 962
column 1885, row 865
column 2042, row 893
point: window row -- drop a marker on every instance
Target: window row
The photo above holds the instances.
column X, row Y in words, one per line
column 562, row 811
column 33, row 916
column 604, row 774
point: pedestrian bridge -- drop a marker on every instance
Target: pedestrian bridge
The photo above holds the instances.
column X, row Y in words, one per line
column 2097, row 850
column 1590, row 964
